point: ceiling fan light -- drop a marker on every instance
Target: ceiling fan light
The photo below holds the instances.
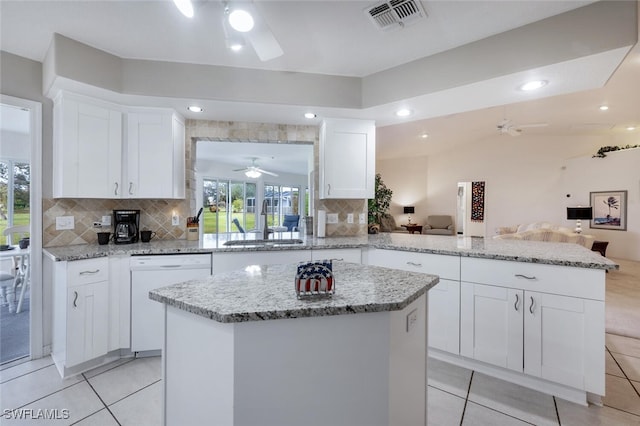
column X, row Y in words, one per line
column 241, row 20
column 185, row 7
column 253, row 174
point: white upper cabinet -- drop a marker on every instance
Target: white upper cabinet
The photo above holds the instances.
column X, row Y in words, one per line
column 87, row 148
column 155, row 155
column 347, row 158
column 104, row 150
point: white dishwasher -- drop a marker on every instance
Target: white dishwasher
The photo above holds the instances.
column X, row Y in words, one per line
column 149, row 272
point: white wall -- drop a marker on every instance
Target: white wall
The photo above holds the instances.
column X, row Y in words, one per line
column 407, row 178
column 527, row 179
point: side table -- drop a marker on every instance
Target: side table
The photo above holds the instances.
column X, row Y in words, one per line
column 413, row 228
column 600, row 246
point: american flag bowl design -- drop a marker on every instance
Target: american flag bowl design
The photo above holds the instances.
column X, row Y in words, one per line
column 315, row 279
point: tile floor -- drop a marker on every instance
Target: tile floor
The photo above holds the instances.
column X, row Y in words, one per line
column 128, row 392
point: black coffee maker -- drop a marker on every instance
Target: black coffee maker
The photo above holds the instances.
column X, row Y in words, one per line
column 126, row 226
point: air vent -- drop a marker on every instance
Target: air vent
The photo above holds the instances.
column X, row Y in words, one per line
column 395, row 14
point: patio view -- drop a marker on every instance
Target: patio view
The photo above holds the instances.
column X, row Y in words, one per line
column 14, row 211
column 228, row 204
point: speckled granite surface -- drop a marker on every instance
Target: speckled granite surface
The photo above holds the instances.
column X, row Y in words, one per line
column 268, row 293
column 520, row 251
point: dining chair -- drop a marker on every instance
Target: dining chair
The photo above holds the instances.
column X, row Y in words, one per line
column 19, row 274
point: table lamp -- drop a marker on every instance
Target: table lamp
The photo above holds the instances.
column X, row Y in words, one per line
column 409, row 210
column 577, row 214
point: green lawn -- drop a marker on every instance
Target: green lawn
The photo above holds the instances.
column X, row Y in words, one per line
column 19, row 218
column 211, row 226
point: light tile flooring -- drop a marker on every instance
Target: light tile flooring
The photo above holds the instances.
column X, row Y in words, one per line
column 128, row 392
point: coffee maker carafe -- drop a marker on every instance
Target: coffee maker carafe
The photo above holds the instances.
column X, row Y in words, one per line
column 126, row 226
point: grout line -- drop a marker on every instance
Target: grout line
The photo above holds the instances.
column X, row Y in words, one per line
column 101, row 400
column 27, row 373
column 555, row 404
column 49, row 394
column 466, row 400
column 135, row 392
column 109, row 369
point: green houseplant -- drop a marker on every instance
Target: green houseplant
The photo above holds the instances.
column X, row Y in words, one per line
column 379, row 205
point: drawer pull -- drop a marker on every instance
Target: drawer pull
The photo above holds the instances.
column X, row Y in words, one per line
column 170, row 266
column 328, row 189
column 531, row 306
column 75, row 299
column 526, row 277
column 115, row 191
column 130, row 188
column 340, row 259
column 90, row 272
column 515, row 305
column 419, row 265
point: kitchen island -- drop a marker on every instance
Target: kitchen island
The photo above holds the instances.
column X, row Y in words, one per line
column 241, row 349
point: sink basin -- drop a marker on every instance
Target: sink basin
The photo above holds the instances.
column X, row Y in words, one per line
column 263, row 242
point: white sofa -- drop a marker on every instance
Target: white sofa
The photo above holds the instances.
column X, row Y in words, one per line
column 544, row 231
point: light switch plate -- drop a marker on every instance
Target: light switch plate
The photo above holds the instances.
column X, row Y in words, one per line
column 332, row 218
column 106, row 220
column 64, row 223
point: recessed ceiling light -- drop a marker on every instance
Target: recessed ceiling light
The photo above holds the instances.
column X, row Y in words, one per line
column 533, row 85
column 630, row 128
column 194, row 108
column 403, row 112
column 309, row 115
column 241, row 20
column 424, row 135
column 603, row 107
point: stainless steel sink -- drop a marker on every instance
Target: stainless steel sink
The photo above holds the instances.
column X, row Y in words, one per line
column 279, row 241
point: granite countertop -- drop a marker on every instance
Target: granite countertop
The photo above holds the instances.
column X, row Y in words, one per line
column 564, row 254
column 267, row 292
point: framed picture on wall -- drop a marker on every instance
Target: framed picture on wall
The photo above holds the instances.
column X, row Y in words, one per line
column 609, row 210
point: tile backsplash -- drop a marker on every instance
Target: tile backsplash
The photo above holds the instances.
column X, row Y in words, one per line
column 156, row 214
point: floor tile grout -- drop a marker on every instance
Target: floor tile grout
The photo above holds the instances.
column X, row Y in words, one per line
column 26, row 374
column 134, row 392
column 101, row 400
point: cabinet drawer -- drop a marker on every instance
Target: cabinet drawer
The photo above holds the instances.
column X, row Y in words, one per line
column 81, row 272
column 353, row 255
column 553, row 279
column 446, row 267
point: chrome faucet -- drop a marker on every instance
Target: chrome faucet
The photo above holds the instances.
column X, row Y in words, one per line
column 263, row 213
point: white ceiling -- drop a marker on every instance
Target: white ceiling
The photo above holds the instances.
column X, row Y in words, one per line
column 334, row 37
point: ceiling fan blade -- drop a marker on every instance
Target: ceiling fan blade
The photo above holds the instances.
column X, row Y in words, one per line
column 240, row 170
column 513, row 131
column 264, row 43
column 265, row 172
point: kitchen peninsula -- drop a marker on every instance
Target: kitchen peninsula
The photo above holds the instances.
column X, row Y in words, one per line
column 241, row 349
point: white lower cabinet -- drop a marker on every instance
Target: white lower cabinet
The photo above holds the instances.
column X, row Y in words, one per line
column 80, row 313
column 353, row 255
column 554, row 337
column 444, row 298
column 87, row 322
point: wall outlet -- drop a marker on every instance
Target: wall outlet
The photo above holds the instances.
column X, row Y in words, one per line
column 332, row 218
column 350, row 218
column 362, row 219
column 412, row 319
column 106, row 220
column 97, row 224
column 64, row 223
column 175, row 220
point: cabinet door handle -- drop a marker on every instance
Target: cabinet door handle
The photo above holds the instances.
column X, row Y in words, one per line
column 115, row 191
column 90, row 272
column 130, row 188
column 419, row 265
column 328, row 189
column 515, row 305
column 526, row 277
column 531, row 306
column 75, row 299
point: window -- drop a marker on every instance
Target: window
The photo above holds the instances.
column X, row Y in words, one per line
column 15, row 179
column 227, row 202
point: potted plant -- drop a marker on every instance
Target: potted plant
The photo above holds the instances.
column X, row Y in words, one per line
column 379, row 205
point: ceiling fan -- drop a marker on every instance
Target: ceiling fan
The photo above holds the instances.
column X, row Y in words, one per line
column 253, row 171
column 243, row 23
column 507, row 127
